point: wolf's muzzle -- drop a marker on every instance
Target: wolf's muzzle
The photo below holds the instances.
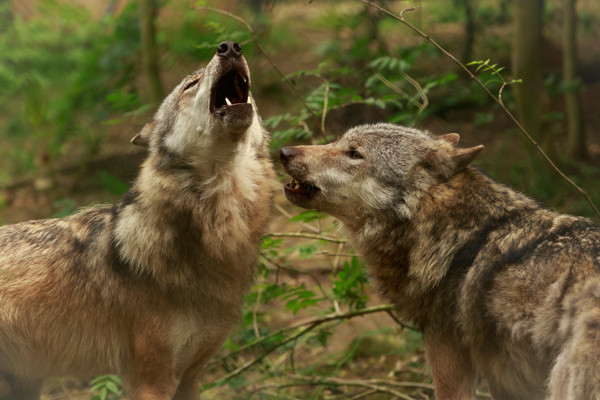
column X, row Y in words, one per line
column 287, row 153
column 229, row 49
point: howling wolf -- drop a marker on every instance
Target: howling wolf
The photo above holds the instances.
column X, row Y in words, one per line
column 503, row 289
column 150, row 287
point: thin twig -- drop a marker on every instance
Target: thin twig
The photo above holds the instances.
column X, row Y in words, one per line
column 315, row 382
column 327, row 253
column 258, row 359
column 422, row 106
column 254, row 314
column 325, row 102
column 314, row 321
column 482, row 394
column 298, row 271
column 402, row 324
column 302, row 224
column 369, row 384
column 277, row 395
column 496, row 99
column 268, row 58
column 363, row 394
column 307, row 236
column 336, row 264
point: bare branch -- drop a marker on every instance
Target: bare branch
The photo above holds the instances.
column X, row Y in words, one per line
column 496, row 99
column 298, row 271
column 302, row 224
column 254, row 314
column 312, row 322
column 373, row 384
column 327, row 253
column 307, row 236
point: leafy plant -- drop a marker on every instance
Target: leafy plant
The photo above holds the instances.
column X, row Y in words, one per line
column 60, row 80
column 106, row 387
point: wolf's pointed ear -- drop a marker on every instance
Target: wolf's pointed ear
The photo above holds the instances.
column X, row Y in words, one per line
column 453, row 138
column 464, row 157
column 141, row 139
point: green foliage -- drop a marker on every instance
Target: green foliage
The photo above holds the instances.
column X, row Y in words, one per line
column 220, row 33
column 494, row 72
column 299, row 297
column 384, row 82
column 106, row 387
column 307, row 216
column 60, row 78
column 112, row 184
column 64, row 207
column 349, row 286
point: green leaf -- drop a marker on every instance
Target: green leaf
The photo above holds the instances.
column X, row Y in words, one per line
column 112, row 387
column 308, row 216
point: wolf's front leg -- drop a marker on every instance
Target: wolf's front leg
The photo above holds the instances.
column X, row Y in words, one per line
column 453, row 375
column 15, row 388
column 152, row 375
column 188, row 385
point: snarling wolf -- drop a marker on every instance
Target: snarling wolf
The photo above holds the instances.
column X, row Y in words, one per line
column 150, row 287
column 503, row 289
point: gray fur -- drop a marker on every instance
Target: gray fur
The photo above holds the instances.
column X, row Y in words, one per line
column 505, row 291
column 150, row 287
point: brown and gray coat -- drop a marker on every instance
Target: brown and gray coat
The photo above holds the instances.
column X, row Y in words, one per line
column 150, row 287
column 503, row 289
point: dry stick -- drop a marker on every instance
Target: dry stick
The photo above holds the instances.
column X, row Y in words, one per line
column 363, row 395
column 336, row 264
column 327, row 253
column 307, row 236
column 325, row 102
column 369, row 384
column 273, row 65
column 268, row 351
column 407, row 96
column 264, row 389
column 303, row 224
column 314, row 321
column 356, row 383
column 255, row 312
column 496, row 99
column 298, row 271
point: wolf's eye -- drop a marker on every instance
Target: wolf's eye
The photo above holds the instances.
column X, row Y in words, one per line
column 191, row 84
column 355, row 155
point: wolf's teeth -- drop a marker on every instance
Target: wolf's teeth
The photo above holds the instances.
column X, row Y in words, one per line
column 248, row 101
column 227, row 101
column 297, row 186
column 244, row 79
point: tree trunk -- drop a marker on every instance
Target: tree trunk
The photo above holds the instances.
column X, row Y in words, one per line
column 6, row 15
column 526, row 65
column 576, row 135
column 470, row 28
column 148, row 12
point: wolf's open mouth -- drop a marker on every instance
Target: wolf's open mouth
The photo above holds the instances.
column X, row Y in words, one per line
column 231, row 90
column 302, row 189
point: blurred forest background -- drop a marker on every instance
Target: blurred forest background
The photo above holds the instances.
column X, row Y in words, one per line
column 79, row 78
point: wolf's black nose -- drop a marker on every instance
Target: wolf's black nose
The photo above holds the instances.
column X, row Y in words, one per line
column 286, row 154
column 229, row 49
